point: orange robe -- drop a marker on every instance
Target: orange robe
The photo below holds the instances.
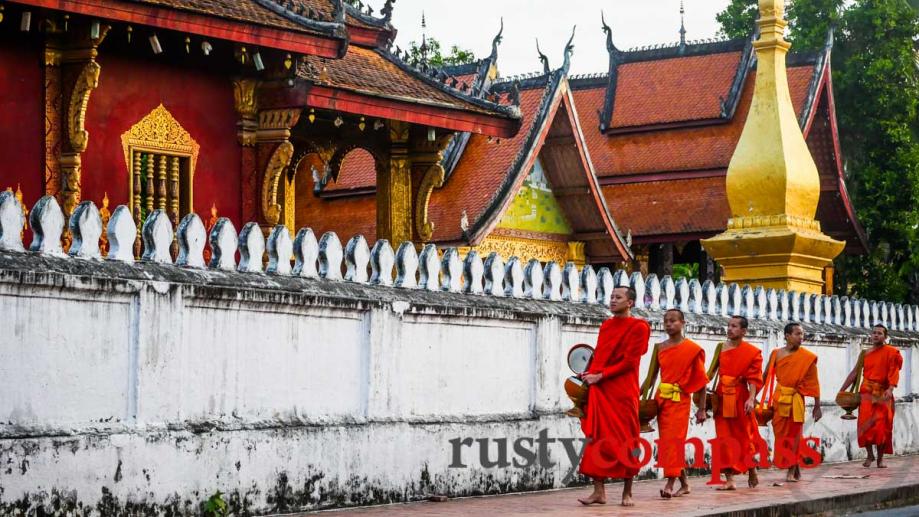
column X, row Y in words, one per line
column 736, row 368
column 683, row 366
column 795, row 378
column 875, row 415
column 611, row 423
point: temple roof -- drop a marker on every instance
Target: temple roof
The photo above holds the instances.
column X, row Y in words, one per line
column 488, row 172
column 669, row 121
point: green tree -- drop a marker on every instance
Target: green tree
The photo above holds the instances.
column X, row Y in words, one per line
column 434, row 54
column 876, row 83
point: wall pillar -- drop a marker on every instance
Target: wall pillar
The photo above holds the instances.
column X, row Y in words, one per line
column 394, row 188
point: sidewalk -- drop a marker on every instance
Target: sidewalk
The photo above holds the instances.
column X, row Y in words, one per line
column 818, row 492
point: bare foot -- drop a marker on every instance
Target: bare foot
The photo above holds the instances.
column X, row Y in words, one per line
column 728, row 485
column 684, row 490
column 593, row 499
column 790, row 479
column 753, row 478
column 868, row 462
column 881, row 464
column 666, row 493
column 627, row 500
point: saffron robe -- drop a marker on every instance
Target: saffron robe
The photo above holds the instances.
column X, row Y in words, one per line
column 875, row 415
column 611, row 422
column 682, row 370
column 795, row 378
column 736, row 368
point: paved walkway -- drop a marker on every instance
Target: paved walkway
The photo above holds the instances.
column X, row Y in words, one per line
column 820, row 487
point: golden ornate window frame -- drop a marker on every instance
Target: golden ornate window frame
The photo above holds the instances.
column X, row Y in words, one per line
column 160, row 133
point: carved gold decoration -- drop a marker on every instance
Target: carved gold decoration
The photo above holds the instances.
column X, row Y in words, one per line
column 275, row 125
column 433, row 178
column 277, row 166
column 524, row 249
column 158, row 133
column 105, row 214
column 86, row 82
column 246, row 105
column 398, row 131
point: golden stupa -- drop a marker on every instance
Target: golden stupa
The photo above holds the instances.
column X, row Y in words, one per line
column 772, row 238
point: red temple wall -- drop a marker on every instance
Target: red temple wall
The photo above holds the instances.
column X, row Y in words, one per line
column 201, row 101
column 22, row 120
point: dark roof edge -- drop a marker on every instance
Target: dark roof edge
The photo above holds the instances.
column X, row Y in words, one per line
column 516, row 167
column 480, row 87
column 821, row 63
column 368, row 18
column 336, row 28
column 729, row 104
column 429, row 75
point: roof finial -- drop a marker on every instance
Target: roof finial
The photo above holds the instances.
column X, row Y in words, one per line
column 682, row 26
column 386, row 11
column 543, row 58
column 497, row 41
column 424, row 39
column 610, row 47
column 569, row 49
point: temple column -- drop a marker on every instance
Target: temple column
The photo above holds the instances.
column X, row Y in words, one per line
column 246, row 104
column 274, row 153
column 394, row 188
column 71, row 75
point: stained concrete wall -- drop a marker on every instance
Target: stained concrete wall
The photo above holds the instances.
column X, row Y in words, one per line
column 148, row 387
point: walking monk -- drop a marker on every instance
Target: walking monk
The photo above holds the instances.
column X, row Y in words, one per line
column 881, row 373
column 682, row 367
column 611, row 424
column 740, row 367
column 795, row 370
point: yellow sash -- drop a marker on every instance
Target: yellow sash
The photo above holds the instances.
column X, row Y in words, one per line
column 789, row 403
column 728, row 396
column 670, row 391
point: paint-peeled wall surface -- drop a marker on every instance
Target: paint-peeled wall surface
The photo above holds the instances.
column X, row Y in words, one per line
column 149, row 387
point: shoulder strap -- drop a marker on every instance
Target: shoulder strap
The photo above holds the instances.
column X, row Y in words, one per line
column 859, row 368
column 652, row 374
column 713, row 366
column 769, row 380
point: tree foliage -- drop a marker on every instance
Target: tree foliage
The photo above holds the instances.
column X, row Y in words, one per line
column 435, row 55
column 876, row 87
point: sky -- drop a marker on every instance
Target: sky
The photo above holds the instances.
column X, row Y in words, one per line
column 472, row 24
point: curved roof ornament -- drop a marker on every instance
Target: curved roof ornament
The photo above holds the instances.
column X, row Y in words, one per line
column 497, row 41
column 569, row 49
column 610, row 47
column 543, row 58
column 828, row 42
column 386, row 11
column 340, row 11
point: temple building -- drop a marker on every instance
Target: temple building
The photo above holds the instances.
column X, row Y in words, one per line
column 669, row 120
column 194, row 105
column 534, row 195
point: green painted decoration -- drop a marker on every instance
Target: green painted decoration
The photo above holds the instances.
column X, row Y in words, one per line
column 535, row 208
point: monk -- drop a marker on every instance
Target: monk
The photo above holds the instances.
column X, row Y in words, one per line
column 611, row 422
column 880, row 373
column 740, row 376
column 681, row 363
column 795, row 370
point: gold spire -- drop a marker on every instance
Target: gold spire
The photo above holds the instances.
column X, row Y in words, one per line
column 772, row 182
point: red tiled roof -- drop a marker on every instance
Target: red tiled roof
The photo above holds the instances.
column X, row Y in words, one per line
column 676, row 149
column 247, row 11
column 649, row 208
column 479, row 174
column 368, row 72
column 676, row 89
column 358, row 170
